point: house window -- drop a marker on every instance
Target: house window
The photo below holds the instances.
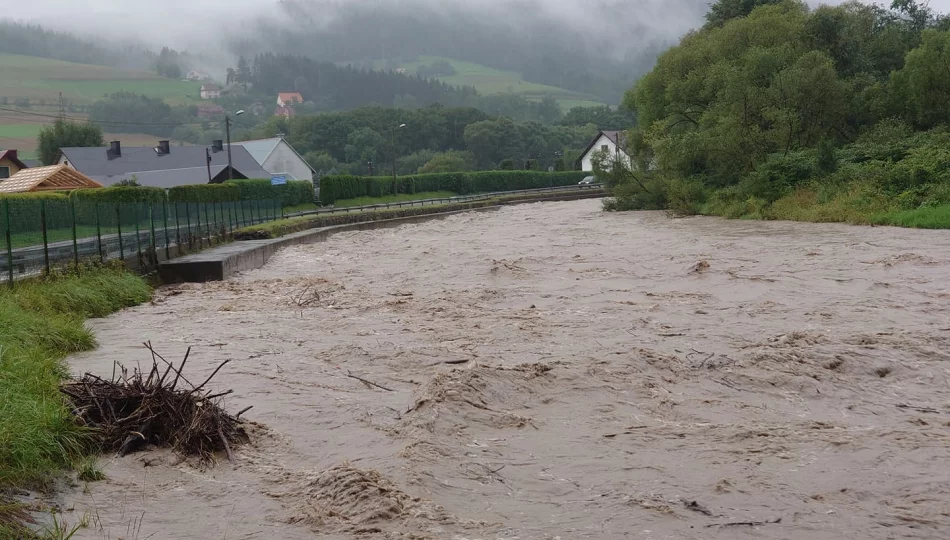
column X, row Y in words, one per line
column 603, row 148
column 4, row 172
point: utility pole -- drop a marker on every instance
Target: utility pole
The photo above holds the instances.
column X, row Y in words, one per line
column 208, row 156
column 227, row 129
column 392, row 132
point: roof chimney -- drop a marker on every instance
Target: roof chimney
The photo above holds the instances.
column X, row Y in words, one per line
column 115, row 149
column 217, row 145
column 163, row 148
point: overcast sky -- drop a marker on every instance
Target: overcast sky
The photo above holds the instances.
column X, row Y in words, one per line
column 192, row 23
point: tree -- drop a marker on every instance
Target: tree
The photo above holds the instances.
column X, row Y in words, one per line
column 65, row 134
column 724, row 11
column 924, row 82
column 446, row 163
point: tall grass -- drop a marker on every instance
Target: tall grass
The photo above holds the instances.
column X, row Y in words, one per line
column 937, row 217
column 40, row 323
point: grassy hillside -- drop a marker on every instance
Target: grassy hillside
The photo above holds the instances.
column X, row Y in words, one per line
column 490, row 81
column 42, row 79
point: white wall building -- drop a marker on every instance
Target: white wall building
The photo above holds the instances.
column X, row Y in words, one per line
column 613, row 142
column 210, row 91
column 276, row 156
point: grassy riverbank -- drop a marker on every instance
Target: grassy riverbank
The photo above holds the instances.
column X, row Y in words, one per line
column 40, row 323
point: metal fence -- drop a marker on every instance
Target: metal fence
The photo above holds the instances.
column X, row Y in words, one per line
column 39, row 235
column 448, row 200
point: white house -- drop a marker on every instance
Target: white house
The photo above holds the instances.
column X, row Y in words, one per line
column 210, row 91
column 277, row 157
column 612, row 142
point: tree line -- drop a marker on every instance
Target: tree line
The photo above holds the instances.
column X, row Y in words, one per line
column 771, row 96
column 434, row 139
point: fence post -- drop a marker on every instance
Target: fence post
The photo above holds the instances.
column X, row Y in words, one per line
column 72, row 209
column 191, row 242
column 102, row 257
column 6, row 211
column 214, row 214
column 45, row 239
column 153, row 244
column 243, row 215
column 165, row 223
column 198, row 211
column 178, row 228
column 231, row 217
column 208, row 226
column 118, row 224
column 138, row 234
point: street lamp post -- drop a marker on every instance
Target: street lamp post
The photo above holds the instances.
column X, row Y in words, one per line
column 392, row 132
column 557, row 156
column 227, row 129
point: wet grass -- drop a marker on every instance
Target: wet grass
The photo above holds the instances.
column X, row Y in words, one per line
column 937, row 217
column 40, row 323
column 389, row 199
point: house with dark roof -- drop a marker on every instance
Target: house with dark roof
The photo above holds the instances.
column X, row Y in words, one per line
column 10, row 164
column 612, row 142
column 163, row 166
column 278, row 157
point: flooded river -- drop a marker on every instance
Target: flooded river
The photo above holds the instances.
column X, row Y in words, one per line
column 550, row 371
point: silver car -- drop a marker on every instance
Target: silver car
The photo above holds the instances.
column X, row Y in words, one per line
column 587, row 181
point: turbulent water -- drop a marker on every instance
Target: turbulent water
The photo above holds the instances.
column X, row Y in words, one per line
column 551, row 371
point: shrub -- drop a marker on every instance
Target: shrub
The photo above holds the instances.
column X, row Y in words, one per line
column 205, row 193
column 684, row 196
column 120, row 194
column 334, row 188
column 293, row 193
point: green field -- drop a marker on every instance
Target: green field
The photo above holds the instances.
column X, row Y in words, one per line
column 491, row 81
column 42, row 79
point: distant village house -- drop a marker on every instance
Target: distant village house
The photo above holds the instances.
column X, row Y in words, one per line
column 210, row 91
column 285, row 111
column 285, row 99
column 197, row 76
column 210, row 110
column 10, row 164
column 612, row 143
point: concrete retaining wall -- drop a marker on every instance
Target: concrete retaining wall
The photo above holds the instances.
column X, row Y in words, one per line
column 224, row 261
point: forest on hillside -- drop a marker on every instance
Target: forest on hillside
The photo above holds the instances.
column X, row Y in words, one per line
column 34, row 40
column 542, row 48
column 774, row 109
column 342, row 87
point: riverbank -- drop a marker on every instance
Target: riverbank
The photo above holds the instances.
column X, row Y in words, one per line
column 41, row 322
column 554, row 370
column 855, row 204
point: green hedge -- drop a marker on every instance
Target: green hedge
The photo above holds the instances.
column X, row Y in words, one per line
column 334, row 188
column 119, row 194
column 202, row 193
column 292, row 193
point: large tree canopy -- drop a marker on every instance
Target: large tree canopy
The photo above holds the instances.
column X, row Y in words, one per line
column 772, row 78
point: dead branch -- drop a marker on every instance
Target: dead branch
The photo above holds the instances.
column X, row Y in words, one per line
column 371, row 383
column 128, row 413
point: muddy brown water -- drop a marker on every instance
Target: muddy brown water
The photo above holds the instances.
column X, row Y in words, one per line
column 557, row 372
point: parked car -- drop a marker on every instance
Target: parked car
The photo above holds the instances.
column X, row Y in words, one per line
column 587, row 181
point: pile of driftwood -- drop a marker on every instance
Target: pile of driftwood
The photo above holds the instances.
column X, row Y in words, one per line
column 160, row 407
